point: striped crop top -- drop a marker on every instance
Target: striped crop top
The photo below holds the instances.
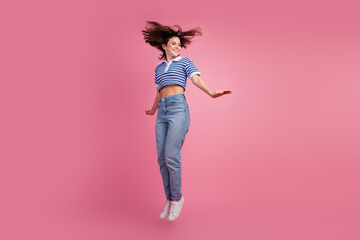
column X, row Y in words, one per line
column 174, row 72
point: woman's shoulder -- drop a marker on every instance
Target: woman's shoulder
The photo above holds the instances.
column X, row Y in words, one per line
column 158, row 65
column 185, row 60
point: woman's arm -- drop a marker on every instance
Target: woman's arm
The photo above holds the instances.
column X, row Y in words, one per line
column 196, row 79
column 155, row 105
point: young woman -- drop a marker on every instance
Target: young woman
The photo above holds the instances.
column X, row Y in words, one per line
column 173, row 117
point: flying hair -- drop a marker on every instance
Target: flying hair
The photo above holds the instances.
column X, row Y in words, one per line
column 157, row 34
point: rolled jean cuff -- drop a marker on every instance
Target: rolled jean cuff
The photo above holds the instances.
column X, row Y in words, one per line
column 176, row 198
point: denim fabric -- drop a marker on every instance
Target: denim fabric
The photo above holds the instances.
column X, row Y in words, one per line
column 172, row 125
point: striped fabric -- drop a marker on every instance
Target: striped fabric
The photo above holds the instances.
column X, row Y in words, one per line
column 174, row 72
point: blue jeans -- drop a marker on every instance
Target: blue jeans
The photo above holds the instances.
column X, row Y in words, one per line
column 172, row 125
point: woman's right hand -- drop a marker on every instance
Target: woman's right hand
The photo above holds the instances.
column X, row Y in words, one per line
column 149, row 112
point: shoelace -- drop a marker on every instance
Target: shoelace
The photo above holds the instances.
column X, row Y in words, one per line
column 174, row 209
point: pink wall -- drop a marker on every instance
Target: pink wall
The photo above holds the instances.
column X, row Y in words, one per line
column 276, row 159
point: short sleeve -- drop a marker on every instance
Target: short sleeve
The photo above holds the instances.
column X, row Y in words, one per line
column 190, row 69
column 156, row 82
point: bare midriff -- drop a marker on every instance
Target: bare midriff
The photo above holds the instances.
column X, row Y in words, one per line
column 171, row 89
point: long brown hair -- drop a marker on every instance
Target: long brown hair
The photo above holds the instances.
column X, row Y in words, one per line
column 157, row 34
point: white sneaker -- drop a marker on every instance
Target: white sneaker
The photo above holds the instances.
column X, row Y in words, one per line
column 175, row 209
column 164, row 213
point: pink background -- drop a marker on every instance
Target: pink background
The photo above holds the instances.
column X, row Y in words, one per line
column 277, row 159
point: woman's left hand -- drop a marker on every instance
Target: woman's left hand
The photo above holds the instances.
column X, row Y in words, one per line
column 219, row 93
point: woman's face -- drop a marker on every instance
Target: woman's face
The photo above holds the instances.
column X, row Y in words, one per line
column 172, row 48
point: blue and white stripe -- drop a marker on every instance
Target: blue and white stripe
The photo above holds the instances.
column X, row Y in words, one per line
column 174, row 72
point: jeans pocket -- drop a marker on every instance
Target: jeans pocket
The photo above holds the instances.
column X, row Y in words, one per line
column 176, row 100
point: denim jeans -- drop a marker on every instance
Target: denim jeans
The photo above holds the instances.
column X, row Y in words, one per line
column 172, row 125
